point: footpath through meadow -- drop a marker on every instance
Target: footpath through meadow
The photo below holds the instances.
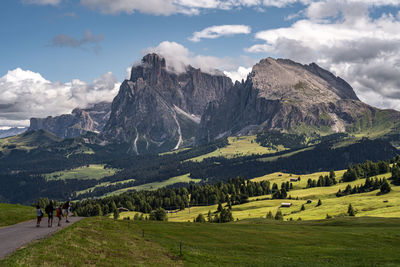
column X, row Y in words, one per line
column 18, row 235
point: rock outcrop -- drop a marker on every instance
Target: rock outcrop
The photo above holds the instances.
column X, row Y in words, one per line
column 75, row 124
column 285, row 95
column 158, row 110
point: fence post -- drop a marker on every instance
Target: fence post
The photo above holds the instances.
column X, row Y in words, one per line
column 180, row 249
column 142, row 233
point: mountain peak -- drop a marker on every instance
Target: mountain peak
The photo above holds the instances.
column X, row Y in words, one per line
column 154, row 60
column 284, row 78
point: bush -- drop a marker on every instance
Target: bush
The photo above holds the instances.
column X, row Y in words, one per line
column 200, row 218
column 158, row 215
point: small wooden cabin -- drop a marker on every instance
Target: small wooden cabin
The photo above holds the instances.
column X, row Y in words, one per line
column 286, row 204
column 294, row 179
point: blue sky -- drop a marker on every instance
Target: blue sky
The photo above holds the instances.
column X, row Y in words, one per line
column 60, row 54
column 30, row 29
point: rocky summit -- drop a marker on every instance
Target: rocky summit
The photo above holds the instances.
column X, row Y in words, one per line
column 159, row 110
column 285, row 95
column 75, row 124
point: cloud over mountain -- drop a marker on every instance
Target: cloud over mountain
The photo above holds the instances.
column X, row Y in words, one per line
column 346, row 38
column 25, row 94
column 178, row 57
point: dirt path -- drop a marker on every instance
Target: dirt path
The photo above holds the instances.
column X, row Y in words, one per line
column 17, row 235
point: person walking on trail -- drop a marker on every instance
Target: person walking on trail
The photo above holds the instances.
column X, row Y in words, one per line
column 67, row 208
column 39, row 215
column 49, row 211
column 59, row 214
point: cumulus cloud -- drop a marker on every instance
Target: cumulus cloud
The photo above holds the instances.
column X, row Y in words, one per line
column 179, row 57
column 42, row 2
column 25, row 94
column 88, row 38
column 169, row 7
column 239, row 74
column 343, row 37
column 214, row 32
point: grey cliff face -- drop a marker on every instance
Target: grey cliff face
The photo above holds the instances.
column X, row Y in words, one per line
column 283, row 95
column 75, row 124
column 157, row 110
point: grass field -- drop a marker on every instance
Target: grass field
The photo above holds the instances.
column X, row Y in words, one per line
column 94, row 242
column 156, row 185
column 14, row 213
column 365, row 204
column 27, row 141
column 257, row 242
column 93, row 171
column 104, row 184
column 239, row 146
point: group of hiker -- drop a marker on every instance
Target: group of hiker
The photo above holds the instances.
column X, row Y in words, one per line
column 62, row 210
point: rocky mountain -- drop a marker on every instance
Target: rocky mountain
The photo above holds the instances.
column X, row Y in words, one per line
column 159, row 110
column 285, row 95
column 75, row 124
column 12, row 131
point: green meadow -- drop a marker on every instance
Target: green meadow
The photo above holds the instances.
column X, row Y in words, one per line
column 100, row 241
column 156, row 185
column 365, row 204
column 15, row 213
column 239, row 147
column 92, row 171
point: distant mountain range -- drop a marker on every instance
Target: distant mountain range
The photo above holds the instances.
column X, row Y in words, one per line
column 75, row 124
column 158, row 110
column 12, row 131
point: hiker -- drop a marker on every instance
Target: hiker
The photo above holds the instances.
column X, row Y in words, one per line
column 59, row 214
column 49, row 211
column 39, row 214
column 67, row 208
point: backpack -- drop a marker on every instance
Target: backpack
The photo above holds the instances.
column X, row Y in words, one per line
column 47, row 209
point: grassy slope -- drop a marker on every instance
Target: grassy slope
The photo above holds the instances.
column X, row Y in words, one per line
column 101, row 241
column 156, row 185
column 12, row 214
column 94, row 171
column 366, row 204
column 104, row 184
column 94, row 242
column 238, row 147
column 27, row 141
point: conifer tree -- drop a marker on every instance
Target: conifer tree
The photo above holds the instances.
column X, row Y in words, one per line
column 269, row 215
column 319, row 202
column 350, row 210
column 116, row 214
column 279, row 216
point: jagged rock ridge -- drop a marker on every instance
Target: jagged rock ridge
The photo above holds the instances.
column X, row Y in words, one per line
column 285, row 95
column 75, row 124
column 158, row 110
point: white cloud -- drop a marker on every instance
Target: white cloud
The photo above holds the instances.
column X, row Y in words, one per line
column 214, row 32
column 178, row 57
column 42, row 2
column 25, row 94
column 343, row 37
column 188, row 7
column 239, row 74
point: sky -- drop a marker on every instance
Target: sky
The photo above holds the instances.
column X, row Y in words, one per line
column 56, row 55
